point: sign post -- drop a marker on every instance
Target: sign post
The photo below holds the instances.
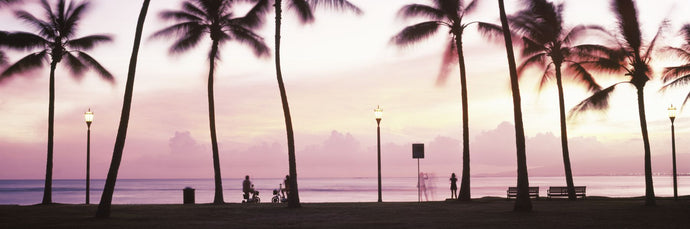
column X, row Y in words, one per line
column 418, row 153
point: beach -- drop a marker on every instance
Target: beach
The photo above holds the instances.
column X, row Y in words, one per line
column 490, row 212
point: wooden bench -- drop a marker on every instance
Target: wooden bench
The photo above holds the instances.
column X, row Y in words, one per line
column 556, row 191
column 533, row 192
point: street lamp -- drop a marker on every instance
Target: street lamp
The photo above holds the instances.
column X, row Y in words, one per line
column 88, row 117
column 378, row 113
column 672, row 116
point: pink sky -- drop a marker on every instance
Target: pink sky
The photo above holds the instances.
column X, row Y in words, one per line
column 337, row 71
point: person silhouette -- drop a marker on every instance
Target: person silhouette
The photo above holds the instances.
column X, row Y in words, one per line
column 453, row 186
column 247, row 187
column 286, row 183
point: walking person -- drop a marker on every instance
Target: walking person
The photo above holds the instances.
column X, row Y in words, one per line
column 453, row 186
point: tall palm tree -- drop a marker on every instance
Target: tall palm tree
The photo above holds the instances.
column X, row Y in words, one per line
column 676, row 76
column 195, row 19
column 305, row 12
column 449, row 14
column 522, row 201
column 548, row 45
column 628, row 56
column 54, row 42
column 109, row 188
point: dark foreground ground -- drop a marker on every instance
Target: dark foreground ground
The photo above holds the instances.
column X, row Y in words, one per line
column 479, row 213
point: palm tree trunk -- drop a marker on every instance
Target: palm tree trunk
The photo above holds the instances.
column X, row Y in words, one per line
column 107, row 197
column 522, row 201
column 564, row 135
column 48, row 187
column 218, row 197
column 293, row 195
column 649, row 186
column 465, row 183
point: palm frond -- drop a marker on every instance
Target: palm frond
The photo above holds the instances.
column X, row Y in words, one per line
column 303, row 9
column 597, row 101
column 489, row 30
column 591, row 51
column 25, row 41
column 415, row 33
column 627, row 22
column 650, row 49
column 29, row 62
column 545, row 77
column 343, row 5
column 671, row 73
column 254, row 41
column 179, row 16
column 577, row 32
column 532, row 61
column 93, row 64
column 75, row 65
column 676, row 82
column 190, row 8
column 181, row 29
column 88, row 42
column 450, row 59
column 255, row 16
column 604, row 65
column 419, row 10
column 187, row 41
column 72, row 17
column 470, row 7
column 45, row 28
column 530, row 47
column 683, row 54
column 685, row 32
column 579, row 74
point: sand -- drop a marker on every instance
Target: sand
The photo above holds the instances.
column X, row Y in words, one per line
column 594, row 212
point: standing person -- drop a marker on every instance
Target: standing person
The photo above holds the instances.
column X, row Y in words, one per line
column 247, row 187
column 286, row 182
column 453, row 186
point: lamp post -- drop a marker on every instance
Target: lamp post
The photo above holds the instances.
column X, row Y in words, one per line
column 88, row 117
column 672, row 116
column 378, row 113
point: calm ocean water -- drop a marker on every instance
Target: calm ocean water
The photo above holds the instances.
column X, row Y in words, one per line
column 169, row 191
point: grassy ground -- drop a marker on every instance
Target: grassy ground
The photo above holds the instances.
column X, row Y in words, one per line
column 479, row 213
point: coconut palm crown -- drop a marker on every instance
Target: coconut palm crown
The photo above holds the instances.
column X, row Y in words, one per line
column 676, row 76
column 55, row 41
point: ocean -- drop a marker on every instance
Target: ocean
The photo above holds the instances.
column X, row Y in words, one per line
column 315, row 190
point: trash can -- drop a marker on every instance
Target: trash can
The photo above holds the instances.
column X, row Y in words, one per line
column 188, row 195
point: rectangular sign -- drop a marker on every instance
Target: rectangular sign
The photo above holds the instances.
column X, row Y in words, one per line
column 418, row 150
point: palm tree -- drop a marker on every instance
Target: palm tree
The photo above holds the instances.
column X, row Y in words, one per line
column 212, row 17
column 55, row 41
column 305, row 12
column 447, row 13
column 546, row 44
column 679, row 75
column 630, row 57
column 107, row 197
column 522, row 201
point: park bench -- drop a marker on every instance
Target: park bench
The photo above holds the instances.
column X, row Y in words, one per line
column 533, row 192
column 555, row 191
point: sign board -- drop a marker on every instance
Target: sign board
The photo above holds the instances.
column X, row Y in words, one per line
column 418, row 150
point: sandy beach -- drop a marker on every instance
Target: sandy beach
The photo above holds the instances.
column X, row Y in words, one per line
column 594, row 212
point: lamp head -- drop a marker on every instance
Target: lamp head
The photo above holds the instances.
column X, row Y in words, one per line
column 672, row 112
column 378, row 113
column 88, row 117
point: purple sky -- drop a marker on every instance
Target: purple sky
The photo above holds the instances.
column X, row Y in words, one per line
column 337, row 71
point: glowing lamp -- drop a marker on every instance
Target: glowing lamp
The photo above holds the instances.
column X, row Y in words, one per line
column 378, row 112
column 672, row 112
column 88, row 117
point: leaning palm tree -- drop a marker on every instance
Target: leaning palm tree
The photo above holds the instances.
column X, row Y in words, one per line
column 548, row 45
column 628, row 56
column 54, row 42
column 305, row 12
column 215, row 19
column 522, row 201
column 449, row 14
column 109, row 188
column 676, row 76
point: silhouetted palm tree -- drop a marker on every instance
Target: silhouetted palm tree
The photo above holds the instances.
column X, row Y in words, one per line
column 546, row 44
column 630, row 57
column 305, row 12
column 213, row 17
column 55, row 40
column 522, row 201
column 679, row 75
column 109, row 188
column 450, row 14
